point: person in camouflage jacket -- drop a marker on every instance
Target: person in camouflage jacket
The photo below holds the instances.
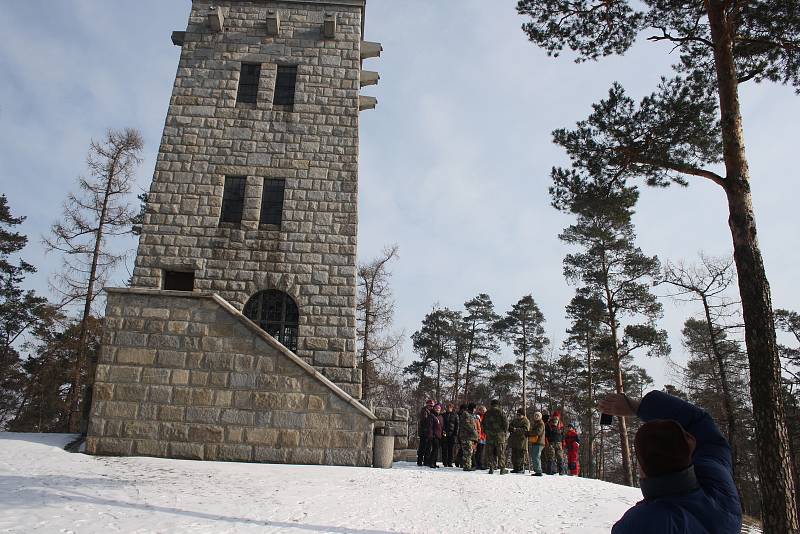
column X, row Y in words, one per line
column 518, row 441
column 467, row 435
column 496, row 426
column 555, row 439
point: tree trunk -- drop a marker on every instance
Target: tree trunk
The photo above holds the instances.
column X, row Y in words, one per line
column 524, row 370
column 524, row 385
column 456, row 374
column 727, row 397
column 75, row 420
column 469, row 363
column 622, row 426
column 779, row 507
column 365, row 348
column 438, row 375
column 602, row 454
column 590, row 459
column 778, row 499
column 619, row 383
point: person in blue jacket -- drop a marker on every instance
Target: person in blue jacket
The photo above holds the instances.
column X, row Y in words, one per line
column 685, row 469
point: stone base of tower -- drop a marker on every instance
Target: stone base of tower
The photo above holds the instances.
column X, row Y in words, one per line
column 186, row 375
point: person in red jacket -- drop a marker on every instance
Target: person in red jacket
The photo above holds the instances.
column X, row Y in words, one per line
column 572, row 442
column 480, row 453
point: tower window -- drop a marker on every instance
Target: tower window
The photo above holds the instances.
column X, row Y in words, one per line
column 178, row 281
column 285, row 85
column 233, row 199
column 248, row 83
column 272, row 202
column 276, row 313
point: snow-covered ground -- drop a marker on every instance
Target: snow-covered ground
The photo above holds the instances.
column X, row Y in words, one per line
column 45, row 489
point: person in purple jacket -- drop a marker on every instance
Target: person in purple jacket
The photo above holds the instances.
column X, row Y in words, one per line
column 685, row 470
column 434, row 432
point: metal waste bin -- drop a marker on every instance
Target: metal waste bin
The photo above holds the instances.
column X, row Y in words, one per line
column 382, row 449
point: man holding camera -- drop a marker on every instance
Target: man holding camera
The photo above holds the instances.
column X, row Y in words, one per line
column 685, row 470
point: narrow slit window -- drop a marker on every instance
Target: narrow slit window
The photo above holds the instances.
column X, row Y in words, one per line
column 272, row 202
column 179, row 281
column 285, row 85
column 248, row 83
column 233, row 199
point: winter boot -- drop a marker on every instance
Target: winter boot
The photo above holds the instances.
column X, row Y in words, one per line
column 503, row 471
column 491, row 470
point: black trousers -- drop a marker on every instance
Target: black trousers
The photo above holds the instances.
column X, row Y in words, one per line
column 478, row 461
column 422, row 450
column 433, row 452
column 448, row 450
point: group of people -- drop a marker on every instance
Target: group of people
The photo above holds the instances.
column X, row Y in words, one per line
column 475, row 438
column 684, row 461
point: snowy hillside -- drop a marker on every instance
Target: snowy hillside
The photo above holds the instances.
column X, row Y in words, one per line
column 44, row 489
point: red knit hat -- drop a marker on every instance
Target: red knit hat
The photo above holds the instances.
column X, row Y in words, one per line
column 663, row 447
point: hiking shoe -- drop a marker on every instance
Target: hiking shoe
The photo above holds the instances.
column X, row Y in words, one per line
column 503, row 471
column 537, row 475
column 491, row 470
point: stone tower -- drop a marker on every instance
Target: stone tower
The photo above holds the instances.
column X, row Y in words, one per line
column 256, row 184
column 237, row 339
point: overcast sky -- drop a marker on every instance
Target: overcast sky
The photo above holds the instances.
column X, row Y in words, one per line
column 455, row 160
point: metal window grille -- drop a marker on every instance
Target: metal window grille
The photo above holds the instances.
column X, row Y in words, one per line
column 272, row 202
column 285, row 85
column 178, row 281
column 277, row 314
column 233, row 199
column 248, row 83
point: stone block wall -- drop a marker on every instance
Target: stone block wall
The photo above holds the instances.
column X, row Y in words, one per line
column 313, row 147
column 185, row 375
column 395, row 423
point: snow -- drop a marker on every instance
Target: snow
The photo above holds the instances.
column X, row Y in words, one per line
column 45, row 489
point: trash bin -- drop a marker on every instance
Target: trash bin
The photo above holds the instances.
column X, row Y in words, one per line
column 382, row 449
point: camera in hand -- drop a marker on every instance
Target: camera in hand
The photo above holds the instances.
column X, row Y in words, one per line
column 605, row 419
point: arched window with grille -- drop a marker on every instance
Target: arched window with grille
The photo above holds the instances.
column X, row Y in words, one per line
column 275, row 312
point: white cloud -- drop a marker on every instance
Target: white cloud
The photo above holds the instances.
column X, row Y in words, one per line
column 455, row 160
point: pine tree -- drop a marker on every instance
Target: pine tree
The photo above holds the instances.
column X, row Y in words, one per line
column 689, row 124
column 523, row 328
column 716, row 381
column 21, row 311
column 435, row 343
column 619, row 274
column 789, row 323
column 585, row 338
column 504, row 385
column 45, row 391
column 480, row 339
